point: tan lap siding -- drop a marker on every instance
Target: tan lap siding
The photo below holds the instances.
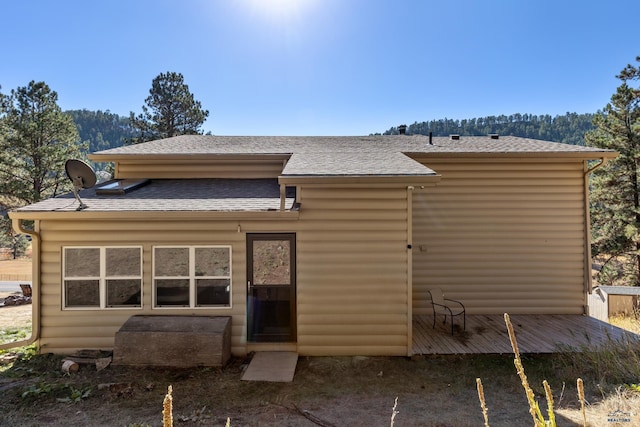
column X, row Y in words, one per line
column 502, row 237
column 352, row 272
column 69, row 330
column 267, row 167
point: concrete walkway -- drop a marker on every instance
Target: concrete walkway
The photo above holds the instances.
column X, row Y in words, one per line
column 272, row 366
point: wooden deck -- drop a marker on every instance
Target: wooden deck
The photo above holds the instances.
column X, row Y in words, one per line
column 534, row 333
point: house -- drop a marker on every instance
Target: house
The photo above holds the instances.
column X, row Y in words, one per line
column 320, row 245
column 609, row 301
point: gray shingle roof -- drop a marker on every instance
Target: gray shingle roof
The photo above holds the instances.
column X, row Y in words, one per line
column 354, row 164
column 208, row 144
column 334, row 156
column 316, row 156
column 177, row 195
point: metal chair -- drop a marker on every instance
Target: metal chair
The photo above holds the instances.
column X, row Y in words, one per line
column 446, row 307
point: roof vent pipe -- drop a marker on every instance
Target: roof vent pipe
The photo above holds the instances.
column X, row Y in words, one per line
column 454, row 137
column 494, row 136
column 402, row 129
column 430, row 138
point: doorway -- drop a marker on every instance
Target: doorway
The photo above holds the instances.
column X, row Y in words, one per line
column 271, row 287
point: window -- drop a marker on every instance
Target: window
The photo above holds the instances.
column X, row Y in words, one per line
column 192, row 276
column 102, row 277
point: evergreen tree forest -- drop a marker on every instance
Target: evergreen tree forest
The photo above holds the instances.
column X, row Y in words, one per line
column 102, row 129
column 569, row 128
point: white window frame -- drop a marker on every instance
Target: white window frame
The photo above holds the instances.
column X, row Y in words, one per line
column 192, row 278
column 102, row 279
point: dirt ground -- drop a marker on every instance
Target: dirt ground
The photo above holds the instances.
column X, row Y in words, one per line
column 327, row 391
column 20, row 315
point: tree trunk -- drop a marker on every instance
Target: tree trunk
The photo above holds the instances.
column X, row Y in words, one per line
column 636, row 204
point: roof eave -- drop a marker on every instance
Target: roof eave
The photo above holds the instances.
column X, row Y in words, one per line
column 155, row 215
column 138, row 157
column 360, row 180
column 581, row 155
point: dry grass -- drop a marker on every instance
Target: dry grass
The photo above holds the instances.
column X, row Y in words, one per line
column 613, row 374
column 15, row 321
column 621, row 405
column 15, row 317
column 15, row 270
column 534, row 407
column 616, row 360
column 630, row 323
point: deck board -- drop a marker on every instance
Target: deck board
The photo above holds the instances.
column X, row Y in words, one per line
column 534, row 333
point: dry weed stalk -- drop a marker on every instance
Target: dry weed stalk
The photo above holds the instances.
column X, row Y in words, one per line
column 394, row 413
column 534, row 408
column 167, row 409
column 580, row 386
column 547, row 392
column 483, row 404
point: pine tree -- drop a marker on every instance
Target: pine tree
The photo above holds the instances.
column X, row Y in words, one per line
column 169, row 110
column 36, row 139
column 615, row 197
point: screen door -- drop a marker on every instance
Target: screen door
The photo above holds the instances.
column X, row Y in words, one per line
column 271, row 290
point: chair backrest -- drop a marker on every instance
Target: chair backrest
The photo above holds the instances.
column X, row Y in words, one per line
column 437, row 296
column 26, row 290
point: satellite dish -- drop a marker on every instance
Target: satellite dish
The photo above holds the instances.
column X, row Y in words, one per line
column 82, row 176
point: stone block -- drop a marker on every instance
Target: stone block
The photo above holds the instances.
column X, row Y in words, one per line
column 173, row 341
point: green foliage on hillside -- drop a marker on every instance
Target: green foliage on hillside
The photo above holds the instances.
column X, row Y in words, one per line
column 569, row 128
column 102, row 129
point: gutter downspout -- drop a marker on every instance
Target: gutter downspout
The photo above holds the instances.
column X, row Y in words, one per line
column 588, row 284
column 410, row 270
column 283, row 188
column 35, row 280
column 283, row 196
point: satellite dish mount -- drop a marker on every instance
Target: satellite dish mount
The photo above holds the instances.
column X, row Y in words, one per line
column 82, row 176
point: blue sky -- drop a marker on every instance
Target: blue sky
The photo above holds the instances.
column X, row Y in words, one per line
column 325, row 67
